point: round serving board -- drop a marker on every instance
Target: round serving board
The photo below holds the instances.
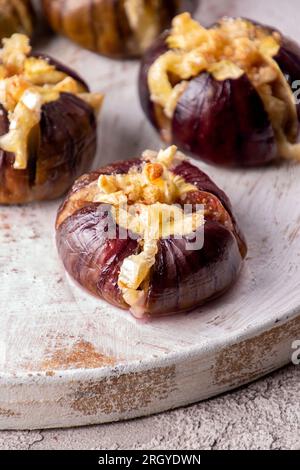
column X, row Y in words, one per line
column 68, row 359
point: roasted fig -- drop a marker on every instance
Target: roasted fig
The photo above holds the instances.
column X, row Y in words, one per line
column 47, row 124
column 224, row 94
column 153, row 235
column 118, row 28
column 16, row 16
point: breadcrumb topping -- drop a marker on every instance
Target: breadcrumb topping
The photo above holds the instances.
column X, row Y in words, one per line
column 228, row 50
column 145, row 202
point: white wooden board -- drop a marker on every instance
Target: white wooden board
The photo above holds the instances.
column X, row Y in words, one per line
column 69, row 359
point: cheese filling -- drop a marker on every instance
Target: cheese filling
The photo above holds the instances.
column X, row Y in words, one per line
column 229, row 50
column 145, row 203
column 26, row 84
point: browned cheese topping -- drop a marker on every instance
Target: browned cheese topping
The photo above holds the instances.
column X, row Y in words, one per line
column 228, row 50
column 26, row 83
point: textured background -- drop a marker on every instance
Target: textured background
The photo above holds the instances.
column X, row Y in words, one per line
column 264, row 415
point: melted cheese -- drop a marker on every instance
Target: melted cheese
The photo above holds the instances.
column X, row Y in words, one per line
column 143, row 18
column 135, row 268
column 144, row 203
column 143, row 186
column 234, row 47
column 226, row 52
column 25, row 117
column 151, row 223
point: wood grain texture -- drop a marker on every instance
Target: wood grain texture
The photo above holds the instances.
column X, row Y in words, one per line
column 69, row 359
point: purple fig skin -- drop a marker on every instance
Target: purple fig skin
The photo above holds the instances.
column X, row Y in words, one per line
column 181, row 279
column 120, row 167
column 63, row 147
column 222, row 123
column 88, row 254
column 202, row 181
column 198, row 178
column 184, row 279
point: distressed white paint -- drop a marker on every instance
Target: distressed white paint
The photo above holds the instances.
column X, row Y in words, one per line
column 42, row 311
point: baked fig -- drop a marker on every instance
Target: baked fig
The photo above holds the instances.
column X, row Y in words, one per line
column 118, row 28
column 224, row 94
column 47, row 124
column 153, row 235
column 16, row 16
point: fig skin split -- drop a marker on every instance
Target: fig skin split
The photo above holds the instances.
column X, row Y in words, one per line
column 181, row 279
column 224, row 122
